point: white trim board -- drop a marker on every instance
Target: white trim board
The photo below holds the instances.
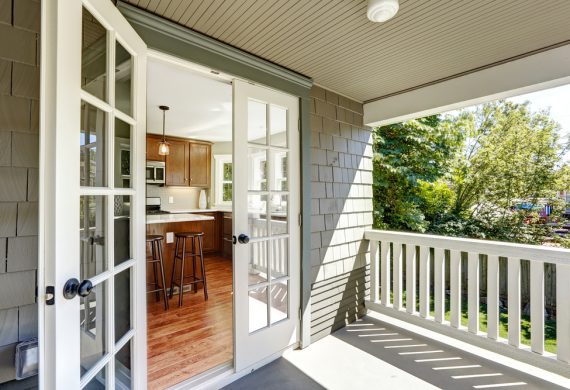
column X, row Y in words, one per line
column 540, row 71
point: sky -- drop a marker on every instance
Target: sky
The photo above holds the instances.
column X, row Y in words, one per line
column 557, row 99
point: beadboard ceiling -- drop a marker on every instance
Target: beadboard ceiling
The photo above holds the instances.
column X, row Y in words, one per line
column 333, row 42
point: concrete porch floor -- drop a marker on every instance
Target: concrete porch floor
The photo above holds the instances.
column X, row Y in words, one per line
column 373, row 353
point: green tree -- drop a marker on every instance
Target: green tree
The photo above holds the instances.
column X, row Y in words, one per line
column 405, row 155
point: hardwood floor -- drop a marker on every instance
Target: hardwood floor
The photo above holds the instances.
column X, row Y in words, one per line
column 185, row 341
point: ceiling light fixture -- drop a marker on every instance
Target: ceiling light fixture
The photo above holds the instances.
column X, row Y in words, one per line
column 163, row 146
column 382, row 10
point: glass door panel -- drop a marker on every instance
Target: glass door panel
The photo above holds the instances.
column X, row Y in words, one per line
column 93, row 62
column 266, row 201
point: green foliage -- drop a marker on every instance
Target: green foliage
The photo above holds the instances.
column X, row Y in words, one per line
column 406, row 154
column 464, row 174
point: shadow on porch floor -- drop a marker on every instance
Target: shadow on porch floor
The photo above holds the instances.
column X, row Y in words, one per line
column 371, row 353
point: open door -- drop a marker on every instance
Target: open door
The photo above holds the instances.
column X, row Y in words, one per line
column 92, row 189
column 266, row 223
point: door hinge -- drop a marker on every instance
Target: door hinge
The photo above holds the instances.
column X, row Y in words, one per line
column 50, row 295
column 300, row 219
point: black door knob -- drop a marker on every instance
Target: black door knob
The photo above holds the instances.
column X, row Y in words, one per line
column 85, row 288
column 243, row 238
column 73, row 287
column 70, row 288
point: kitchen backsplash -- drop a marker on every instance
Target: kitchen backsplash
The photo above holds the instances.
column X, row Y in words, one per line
column 184, row 198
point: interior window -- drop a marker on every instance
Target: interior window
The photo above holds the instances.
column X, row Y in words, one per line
column 223, row 179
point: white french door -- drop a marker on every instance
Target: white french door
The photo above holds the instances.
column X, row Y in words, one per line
column 266, row 222
column 92, row 189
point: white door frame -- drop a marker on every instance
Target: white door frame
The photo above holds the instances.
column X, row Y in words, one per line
column 60, row 96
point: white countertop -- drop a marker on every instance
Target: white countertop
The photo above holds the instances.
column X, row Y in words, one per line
column 167, row 218
column 227, row 209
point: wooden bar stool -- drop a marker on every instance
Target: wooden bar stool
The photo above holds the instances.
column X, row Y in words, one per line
column 155, row 242
column 181, row 239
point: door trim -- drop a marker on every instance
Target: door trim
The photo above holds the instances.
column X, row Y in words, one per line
column 173, row 38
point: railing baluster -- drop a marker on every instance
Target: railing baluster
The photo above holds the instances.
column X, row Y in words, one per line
column 563, row 312
column 493, row 297
column 439, row 284
column 473, row 292
column 537, row 306
column 410, row 278
column 455, row 296
column 374, row 268
column 424, row 281
column 385, row 273
column 397, row 276
column 514, row 296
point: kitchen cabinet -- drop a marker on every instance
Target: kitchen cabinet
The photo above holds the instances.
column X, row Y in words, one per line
column 200, row 160
column 177, row 163
column 187, row 164
column 152, row 142
column 227, row 228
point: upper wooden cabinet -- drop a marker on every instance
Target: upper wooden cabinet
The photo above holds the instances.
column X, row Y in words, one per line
column 177, row 163
column 200, row 158
column 152, row 142
column 187, row 164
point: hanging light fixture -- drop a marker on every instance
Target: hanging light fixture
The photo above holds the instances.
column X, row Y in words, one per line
column 163, row 146
column 382, row 10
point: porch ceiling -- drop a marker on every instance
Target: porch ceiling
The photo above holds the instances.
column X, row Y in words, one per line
column 333, row 42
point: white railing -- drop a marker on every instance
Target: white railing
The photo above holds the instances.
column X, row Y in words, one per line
column 393, row 253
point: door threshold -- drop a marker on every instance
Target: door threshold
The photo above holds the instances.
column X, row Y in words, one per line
column 224, row 374
column 207, row 379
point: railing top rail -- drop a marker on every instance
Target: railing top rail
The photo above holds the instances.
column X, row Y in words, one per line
column 487, row 247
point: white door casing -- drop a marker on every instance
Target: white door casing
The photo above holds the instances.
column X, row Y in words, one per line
column 85, row 340
column 266, row 207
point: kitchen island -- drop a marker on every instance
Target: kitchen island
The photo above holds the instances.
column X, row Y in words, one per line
column 167, row 225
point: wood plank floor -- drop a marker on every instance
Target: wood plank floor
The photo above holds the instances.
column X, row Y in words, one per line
column 185, row 341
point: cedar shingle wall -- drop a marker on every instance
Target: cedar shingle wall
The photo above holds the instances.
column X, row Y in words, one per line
column 342, row 209
column 19, row 122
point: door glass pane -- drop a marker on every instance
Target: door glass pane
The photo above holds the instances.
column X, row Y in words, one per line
column 257, row 178
column 279, row 258
column 257, row 122
column 257, row 269
column 257, row 309
column 93, row 56
column 279, row 301
column 123, row 373
column 122, row 303
column 279, row 218
column 92, row 146
column 122, row 224
column 92, row 231
column 92, row 327
column 257, row 215
column 278, row 123
column 280, row 171
column 123, row 70
column 122, row 167
column 99, row 382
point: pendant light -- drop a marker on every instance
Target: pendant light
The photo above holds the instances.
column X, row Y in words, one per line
column 382, row 10
column 163, row 146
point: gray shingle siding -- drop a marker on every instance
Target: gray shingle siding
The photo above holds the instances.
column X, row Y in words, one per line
column 19, row 139
column 341, row 159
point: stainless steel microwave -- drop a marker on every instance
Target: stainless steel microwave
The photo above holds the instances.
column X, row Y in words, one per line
column 155, row 172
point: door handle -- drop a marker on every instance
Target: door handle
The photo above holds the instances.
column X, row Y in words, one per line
column 73, row 287
column 243, row 238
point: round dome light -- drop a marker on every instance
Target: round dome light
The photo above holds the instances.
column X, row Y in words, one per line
column 382, row 10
